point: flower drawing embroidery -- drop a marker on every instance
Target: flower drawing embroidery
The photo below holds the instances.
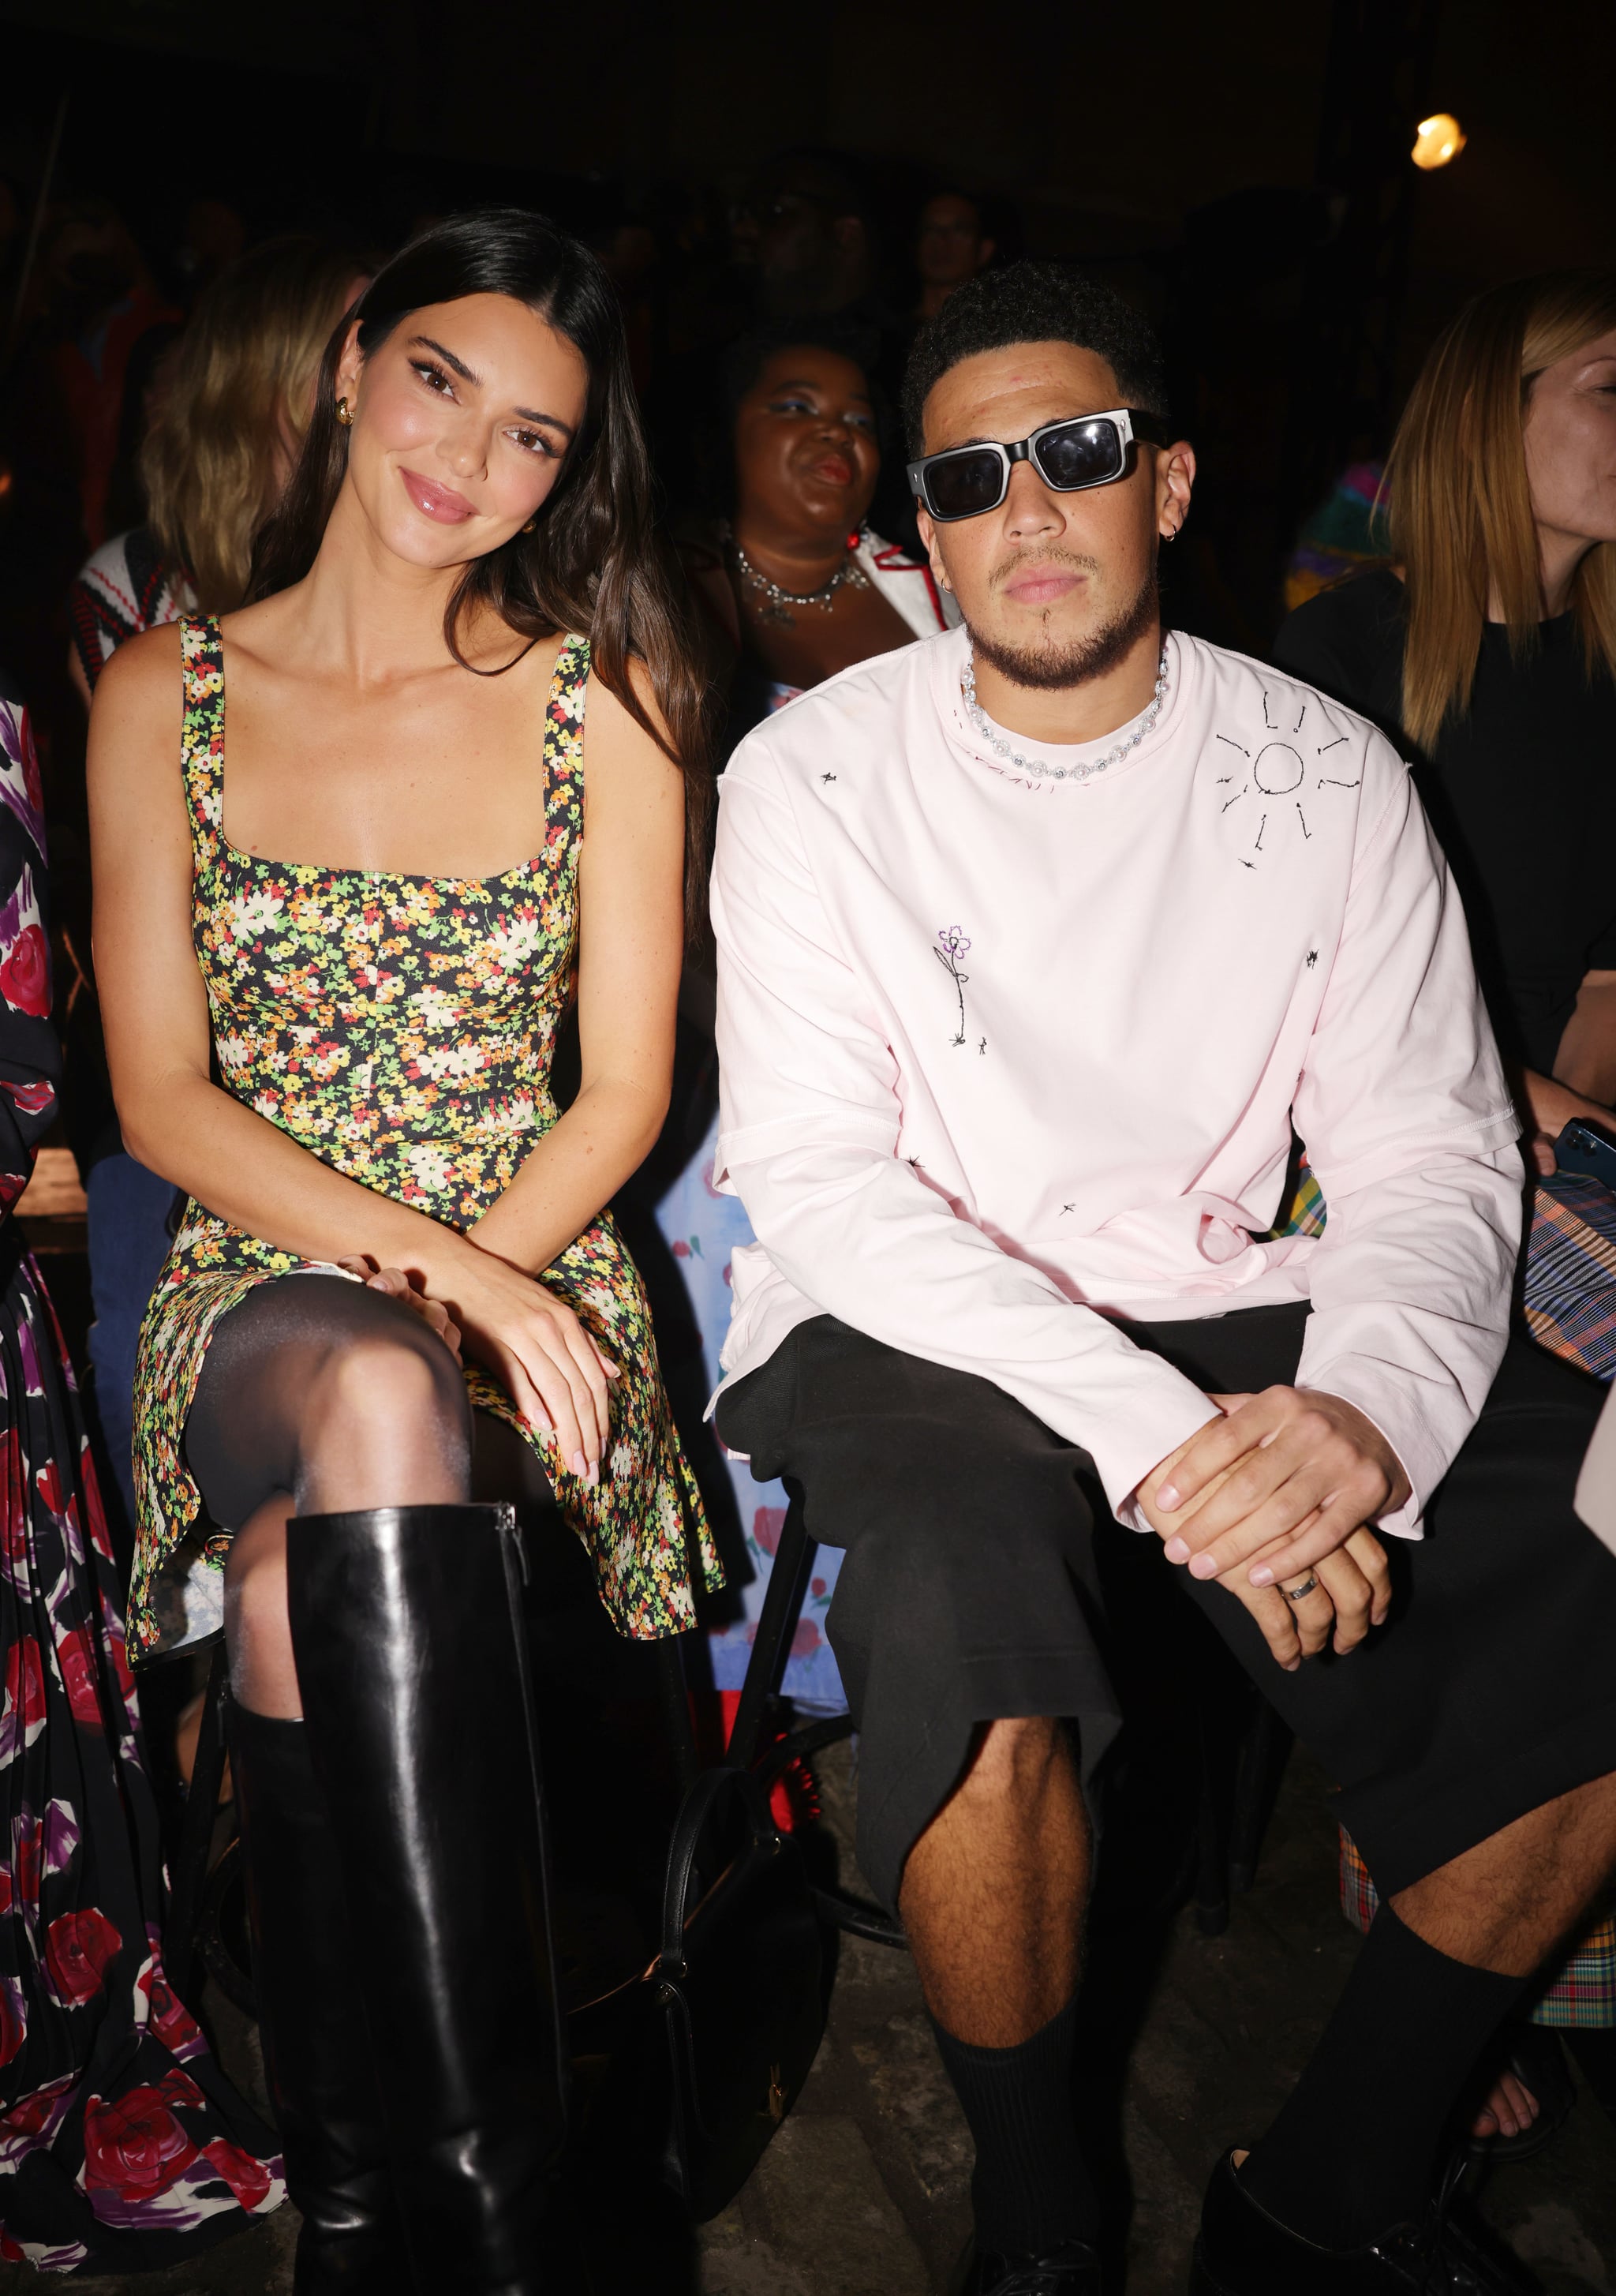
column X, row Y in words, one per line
column 952, row 946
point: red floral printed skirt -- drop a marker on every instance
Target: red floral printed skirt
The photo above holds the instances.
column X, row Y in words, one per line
column 122, row 2146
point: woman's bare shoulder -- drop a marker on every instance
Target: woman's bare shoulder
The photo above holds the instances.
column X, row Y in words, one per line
column 135, row 721
column 617, row 733
column 141, row 678
column 255, row 629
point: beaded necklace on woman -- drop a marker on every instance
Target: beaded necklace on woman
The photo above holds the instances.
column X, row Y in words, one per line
column 777, row 602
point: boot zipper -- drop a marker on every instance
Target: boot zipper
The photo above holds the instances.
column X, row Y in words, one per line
column 513, row 1530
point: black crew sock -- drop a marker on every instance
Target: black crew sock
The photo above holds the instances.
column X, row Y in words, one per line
column 1031, row 2190
column 1354, row 2149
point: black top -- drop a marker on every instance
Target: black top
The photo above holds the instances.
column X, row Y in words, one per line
column 1521, row 791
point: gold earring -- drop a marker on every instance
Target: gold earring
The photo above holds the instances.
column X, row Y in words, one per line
column 530, row 525
column 345, row 415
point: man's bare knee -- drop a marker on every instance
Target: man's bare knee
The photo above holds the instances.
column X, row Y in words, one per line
column 1014, row 1758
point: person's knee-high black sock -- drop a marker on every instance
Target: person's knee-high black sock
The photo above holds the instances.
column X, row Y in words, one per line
column 1031, row 2190
column 1353, row 2150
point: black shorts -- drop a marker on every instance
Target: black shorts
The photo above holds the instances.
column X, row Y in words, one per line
column 969, row 1591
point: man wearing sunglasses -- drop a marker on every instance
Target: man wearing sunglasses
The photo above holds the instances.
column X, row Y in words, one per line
column 1038, row 942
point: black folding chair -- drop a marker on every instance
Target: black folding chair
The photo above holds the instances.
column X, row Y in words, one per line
column 783, row 1599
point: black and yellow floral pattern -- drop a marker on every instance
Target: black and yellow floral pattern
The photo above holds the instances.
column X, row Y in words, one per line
column 402, row 1029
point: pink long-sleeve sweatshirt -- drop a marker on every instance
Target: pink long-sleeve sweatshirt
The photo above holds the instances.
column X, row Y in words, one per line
column 1007, row 1061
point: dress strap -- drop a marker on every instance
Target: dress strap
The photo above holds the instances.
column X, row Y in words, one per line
column 564, row 744
column 202, row 729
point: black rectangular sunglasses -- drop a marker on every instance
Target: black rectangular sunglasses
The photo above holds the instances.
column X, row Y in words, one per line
column 1085, row 450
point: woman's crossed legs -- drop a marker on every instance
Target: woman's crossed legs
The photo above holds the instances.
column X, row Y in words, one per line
column 318, row 1396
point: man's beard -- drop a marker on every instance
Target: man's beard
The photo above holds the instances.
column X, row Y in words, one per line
column 1049, row 666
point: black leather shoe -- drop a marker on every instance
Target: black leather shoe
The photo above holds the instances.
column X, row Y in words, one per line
column 1073, row 2269
column 316, row 2051
column 411, row 1659
column 1244, row 2251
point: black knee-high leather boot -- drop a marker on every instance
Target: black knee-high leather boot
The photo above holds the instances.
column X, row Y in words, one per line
column 316, row 2049
column 412, row 1662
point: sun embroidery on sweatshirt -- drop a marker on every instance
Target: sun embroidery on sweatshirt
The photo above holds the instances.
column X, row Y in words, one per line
column 1276, row 775
column 950, row 947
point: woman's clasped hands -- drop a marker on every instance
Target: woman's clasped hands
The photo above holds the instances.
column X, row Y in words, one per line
column 511, row 1323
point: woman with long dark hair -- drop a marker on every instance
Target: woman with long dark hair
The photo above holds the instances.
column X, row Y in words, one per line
column 461, row 572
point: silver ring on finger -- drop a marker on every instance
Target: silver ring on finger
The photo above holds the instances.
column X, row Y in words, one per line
column 1300, row 1593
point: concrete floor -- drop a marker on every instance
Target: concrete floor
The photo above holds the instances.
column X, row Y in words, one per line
column 863, row 2193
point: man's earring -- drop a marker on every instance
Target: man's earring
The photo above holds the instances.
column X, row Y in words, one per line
column 345, row 415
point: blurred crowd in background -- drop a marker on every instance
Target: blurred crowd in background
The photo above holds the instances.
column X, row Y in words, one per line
column 96, row 293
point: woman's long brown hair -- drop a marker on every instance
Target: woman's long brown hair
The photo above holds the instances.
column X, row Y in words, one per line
column 594, row 562
column 1461, row 514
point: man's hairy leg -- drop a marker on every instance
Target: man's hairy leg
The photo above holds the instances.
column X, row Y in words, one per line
column 993, row 1896
column 1506, row 1904
column 1509, row 1902
column 993, row 1891
column 1445, row 1962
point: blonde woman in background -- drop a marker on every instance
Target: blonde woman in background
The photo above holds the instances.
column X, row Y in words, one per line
column 228, row 410
column 1486, row 648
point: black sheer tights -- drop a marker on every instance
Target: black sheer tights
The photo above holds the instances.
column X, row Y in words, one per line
column 331, row 1395
column 319, row 1396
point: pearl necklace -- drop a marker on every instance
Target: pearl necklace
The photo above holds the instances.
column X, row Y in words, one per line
column 990, row 733
column 781, row 602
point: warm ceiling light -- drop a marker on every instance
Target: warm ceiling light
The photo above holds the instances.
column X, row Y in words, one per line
column 1440, row 138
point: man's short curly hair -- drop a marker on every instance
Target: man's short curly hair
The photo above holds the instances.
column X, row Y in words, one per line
column 1035, row 303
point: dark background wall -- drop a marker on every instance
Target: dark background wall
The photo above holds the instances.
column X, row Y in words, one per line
column 1107, row 128
column 1241, row 169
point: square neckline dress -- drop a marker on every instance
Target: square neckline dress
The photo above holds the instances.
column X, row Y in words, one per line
column 401, row 1029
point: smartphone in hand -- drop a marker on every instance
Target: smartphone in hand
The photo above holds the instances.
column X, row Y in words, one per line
column 1585, row 1147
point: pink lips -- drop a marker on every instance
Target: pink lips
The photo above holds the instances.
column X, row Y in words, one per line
column 1043, row 589
column 433, row 500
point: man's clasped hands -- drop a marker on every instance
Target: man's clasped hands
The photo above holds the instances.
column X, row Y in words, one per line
column 1278, row 1491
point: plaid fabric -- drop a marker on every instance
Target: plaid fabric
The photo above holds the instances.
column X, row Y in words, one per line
column 1568, row 1285
column 1584, row 1990
column 1304, row 1212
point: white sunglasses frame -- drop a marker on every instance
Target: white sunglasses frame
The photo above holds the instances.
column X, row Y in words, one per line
column 1127, row 420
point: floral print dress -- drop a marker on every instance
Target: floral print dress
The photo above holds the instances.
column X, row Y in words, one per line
column 402, row 1029
column 122, row 2146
